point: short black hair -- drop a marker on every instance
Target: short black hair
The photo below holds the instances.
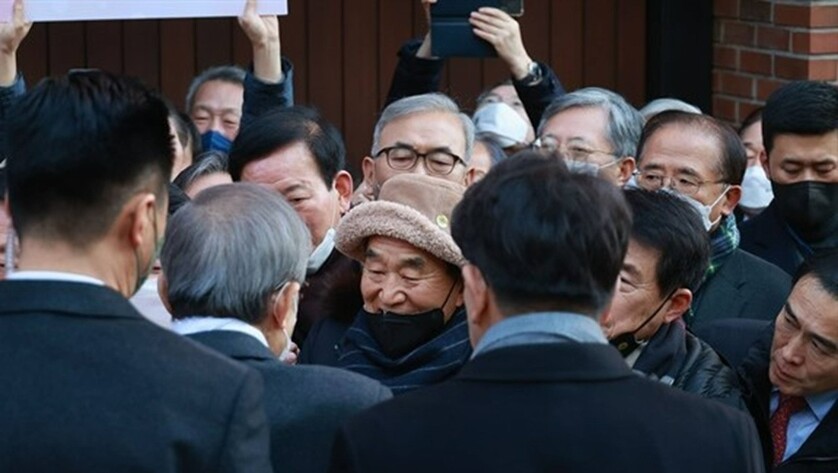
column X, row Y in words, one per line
column 177, row 199
column 284, row 127
column 800, row 108
column 822, row 266
column 733, row 159
column 667, row 224
column 80, row 146
column 2, row 184
column 543, row 238
column 753, row 117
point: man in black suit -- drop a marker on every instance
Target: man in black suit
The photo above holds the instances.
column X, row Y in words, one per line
column 545, row 391
column 88, row 384
column 800, row 133
column 793, row 376
column 233, row 262
column 703, row 161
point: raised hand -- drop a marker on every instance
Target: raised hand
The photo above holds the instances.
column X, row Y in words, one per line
column 11, row 35
column 504, row 33
column 263, row 33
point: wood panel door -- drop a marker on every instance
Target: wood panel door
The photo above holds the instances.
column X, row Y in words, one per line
column 344, row 52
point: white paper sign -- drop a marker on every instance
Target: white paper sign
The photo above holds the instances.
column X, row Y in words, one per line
column 72, row 10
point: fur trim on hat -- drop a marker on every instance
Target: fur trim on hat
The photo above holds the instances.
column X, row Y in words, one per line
column 398, row 221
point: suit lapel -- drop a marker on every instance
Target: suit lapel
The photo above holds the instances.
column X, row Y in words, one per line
column 823, row 442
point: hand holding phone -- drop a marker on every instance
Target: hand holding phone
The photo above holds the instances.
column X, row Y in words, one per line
column 504, row 34
column 453, row 31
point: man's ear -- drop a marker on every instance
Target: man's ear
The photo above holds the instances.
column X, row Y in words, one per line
column 472, row 175
column 477, row 300
column 731, row 199
column 763, row 161
column 284, row 310
column 342, row 183
column 139, row 213
column 368, row 168
column 163, row 291
column 679, row 303
column 626, row 169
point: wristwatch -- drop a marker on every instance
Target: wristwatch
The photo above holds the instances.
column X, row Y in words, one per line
column 533, row 76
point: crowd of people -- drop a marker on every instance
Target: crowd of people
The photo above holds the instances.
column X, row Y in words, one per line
column 557, row 281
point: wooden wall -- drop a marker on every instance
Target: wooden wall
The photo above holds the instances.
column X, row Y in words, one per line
column 344, row 52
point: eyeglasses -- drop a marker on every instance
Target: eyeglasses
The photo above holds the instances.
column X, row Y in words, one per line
column 404, row 158
column 549, row 144
column 684, row 184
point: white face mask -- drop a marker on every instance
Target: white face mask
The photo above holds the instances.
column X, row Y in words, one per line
column 321, row 253
column 703, row 210
column 756, row 189
column 502, row 122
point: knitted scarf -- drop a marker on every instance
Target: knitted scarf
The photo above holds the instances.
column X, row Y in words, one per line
column 431, row 363
column 724, row 241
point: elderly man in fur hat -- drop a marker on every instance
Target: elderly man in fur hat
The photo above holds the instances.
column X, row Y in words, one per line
column 411, row 331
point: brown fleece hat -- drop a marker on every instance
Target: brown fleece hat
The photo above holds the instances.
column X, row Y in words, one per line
column 411, row 207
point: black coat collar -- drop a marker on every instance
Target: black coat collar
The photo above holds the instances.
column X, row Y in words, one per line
column 570, row 361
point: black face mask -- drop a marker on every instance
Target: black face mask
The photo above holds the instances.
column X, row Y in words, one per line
column 627, row 342
column 398, row 334
column 810, row 208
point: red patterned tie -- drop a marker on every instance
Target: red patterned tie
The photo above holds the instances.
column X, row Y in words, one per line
column 787, row 407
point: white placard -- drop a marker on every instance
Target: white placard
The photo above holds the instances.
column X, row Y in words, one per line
column 73, row 10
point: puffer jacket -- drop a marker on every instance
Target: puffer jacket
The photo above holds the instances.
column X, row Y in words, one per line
column 703, row 372
column 678, row 358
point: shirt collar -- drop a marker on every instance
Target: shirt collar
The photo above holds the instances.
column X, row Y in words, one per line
column 541, row 327
column 54, row 276
column 200, row 324
column 820, row 404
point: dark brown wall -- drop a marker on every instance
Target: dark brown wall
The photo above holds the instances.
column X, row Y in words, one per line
column 344, row 52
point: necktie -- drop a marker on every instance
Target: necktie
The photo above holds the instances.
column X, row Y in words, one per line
column 787, row 407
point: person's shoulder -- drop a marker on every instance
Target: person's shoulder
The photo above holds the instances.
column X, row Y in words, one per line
column 325, row 383
column 759, row 269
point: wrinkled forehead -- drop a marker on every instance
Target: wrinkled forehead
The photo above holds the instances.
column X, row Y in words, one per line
column 678, row 148
column 425, row 131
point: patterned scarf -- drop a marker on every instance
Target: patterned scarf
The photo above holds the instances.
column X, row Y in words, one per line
column 431, row 363
column 724, row 241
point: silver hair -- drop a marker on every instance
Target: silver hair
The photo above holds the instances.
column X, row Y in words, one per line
column 230, row 74
column 230, row 249
column 424, row 103
column 666, row 105
column 208, row 162
column 624, row 121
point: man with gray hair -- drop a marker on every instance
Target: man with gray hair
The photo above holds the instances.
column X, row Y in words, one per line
column 221, row 98
column 595, row 131
column 233, row 262
column 423, row 134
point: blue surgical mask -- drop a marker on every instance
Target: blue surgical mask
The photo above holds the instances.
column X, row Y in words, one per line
column 215, row 141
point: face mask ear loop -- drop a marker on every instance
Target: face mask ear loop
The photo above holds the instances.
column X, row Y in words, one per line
column 450, row 291
column 652, row 316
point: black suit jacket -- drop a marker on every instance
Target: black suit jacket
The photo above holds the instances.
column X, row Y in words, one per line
column 745, row 287
column 819, row 454
column 563, row 407
column 88, row 385
column 766, row 237
column 305, row 405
